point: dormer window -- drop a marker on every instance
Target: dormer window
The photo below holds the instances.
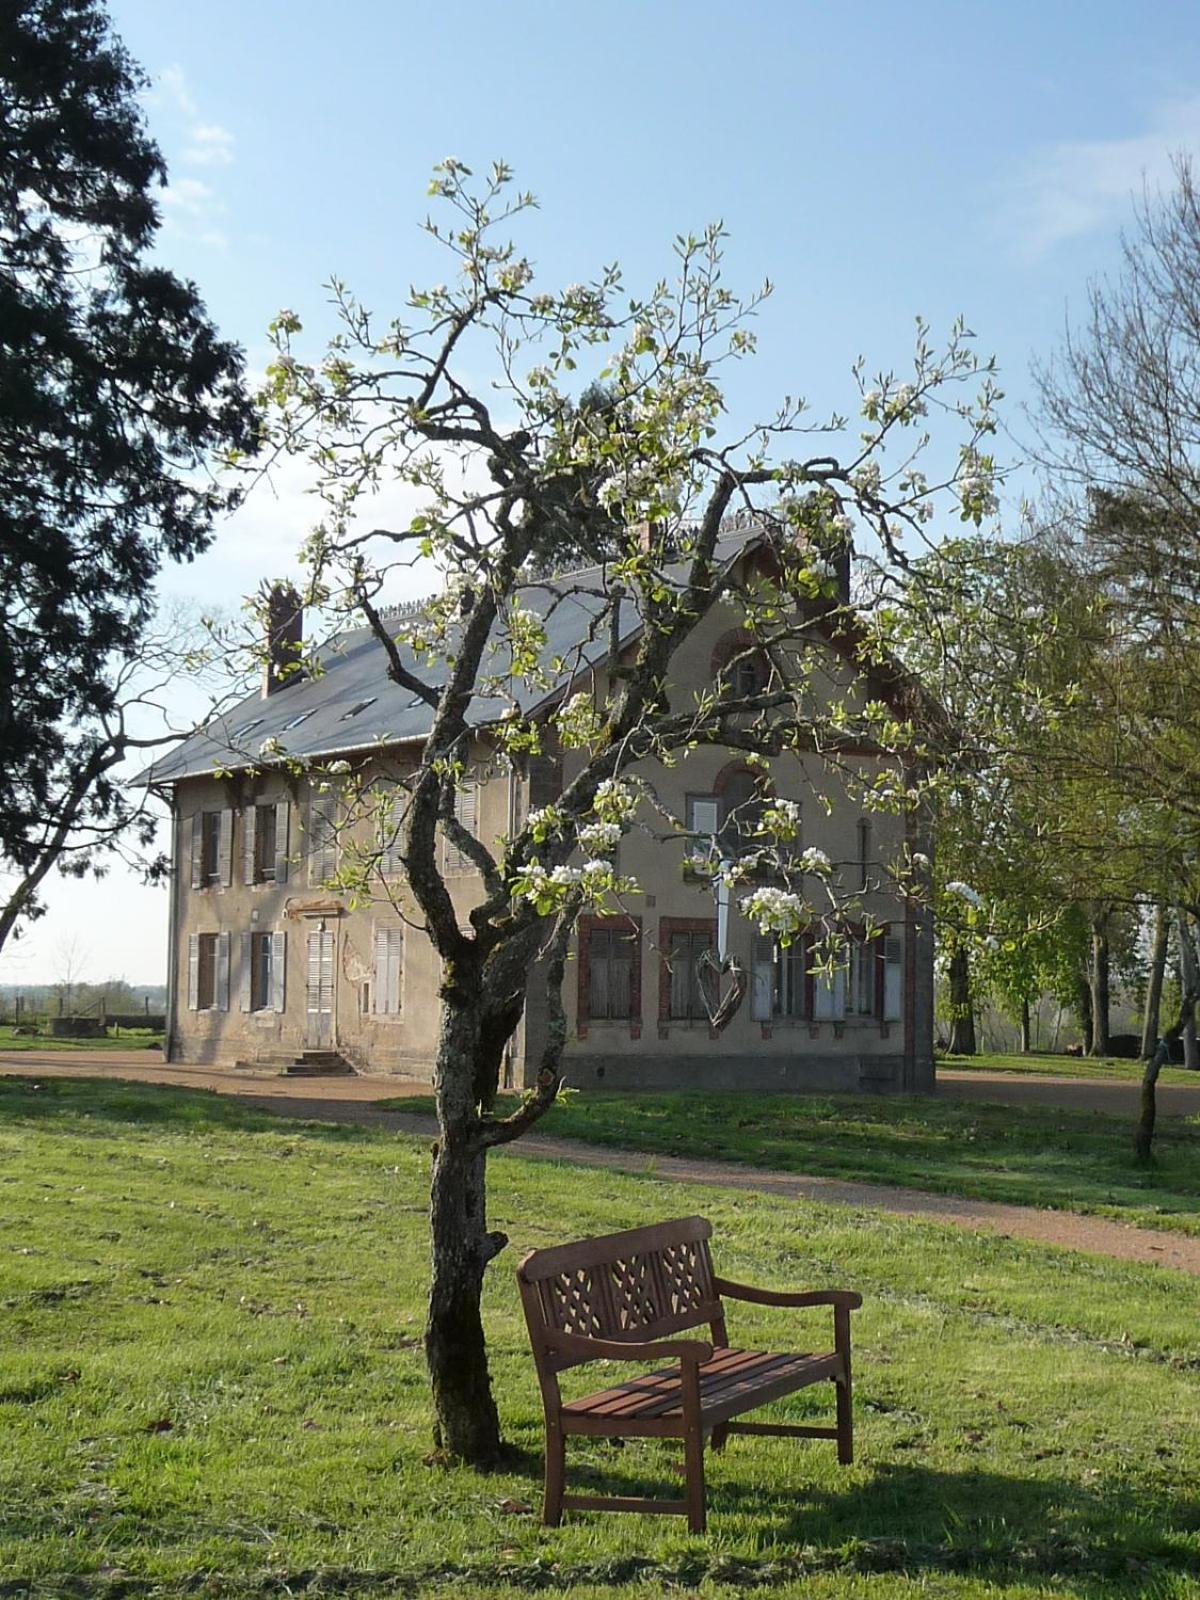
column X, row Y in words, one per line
column 359, row 705
column 246, row 727
column 296, row 721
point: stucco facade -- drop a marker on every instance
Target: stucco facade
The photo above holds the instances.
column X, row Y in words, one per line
column 268, row 961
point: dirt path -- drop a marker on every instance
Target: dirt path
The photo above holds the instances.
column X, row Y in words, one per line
column 349, row 1100
column 1115, row 1097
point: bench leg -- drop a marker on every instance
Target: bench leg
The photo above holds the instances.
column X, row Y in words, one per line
column 693, row 1456
column 719, row 1435
column 845, row 1421
column 556, row 1462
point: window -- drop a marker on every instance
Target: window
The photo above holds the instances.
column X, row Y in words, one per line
column 466, row 811
column 828, row 966
column 212, row 848
column 247, row 727
column 748, row 676
column 208, row 972
column 780, row 980
column 386, row 985
column 391, row 863
column 322, row 838
column 741, row 814
column 864, row 958
column 864, row 851
column 294, row 722
column 703, row 824
column 610, row 973
column 264, row 971
column 686, row 953
column 265, row 842
column 893, row 956
column 359, row 705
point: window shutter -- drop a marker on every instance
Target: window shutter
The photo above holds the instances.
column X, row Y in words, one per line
column 829, row 991
column 197, row 849
column 681, row 975
column 764, row 979
column 249, row 838
column 246, row 941
column 193, row 978
column 223, row 963
column 322, row 838
column 282, row 813
column 390, row 865
column 379, row 975
column 893, row 968
column 225, row 848
column 278, row 971
column 395, row 940
column 705, row 819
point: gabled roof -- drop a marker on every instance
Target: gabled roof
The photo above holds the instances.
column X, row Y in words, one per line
column 317, row 717
column 351, row 705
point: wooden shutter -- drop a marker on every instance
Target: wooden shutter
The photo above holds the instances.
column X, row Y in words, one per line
column 282, row 813
column 278, row 971
column 225, row 848
column 249, row 841
column 893, row 969
column 246, row 973
column 193, row 978
column 222, row 973
column 764, row 979
column 390, row 863
column 395, row 968
column 379, row 972
column 389, row 955
column 197, row 849
column 322, row 838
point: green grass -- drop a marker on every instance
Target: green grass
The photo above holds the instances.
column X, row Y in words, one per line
column 125, row 1039
column 211, row 1385
column 1026, row 1155
column 1108, row 1067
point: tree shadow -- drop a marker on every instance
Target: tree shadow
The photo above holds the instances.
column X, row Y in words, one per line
column 94, row 1104
column 911, row 1518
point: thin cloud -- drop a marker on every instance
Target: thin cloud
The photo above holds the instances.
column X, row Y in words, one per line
column 1076, row 187
column 210, row 146
column 191, row 207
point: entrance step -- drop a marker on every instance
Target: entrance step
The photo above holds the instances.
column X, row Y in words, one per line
column 319, row 1064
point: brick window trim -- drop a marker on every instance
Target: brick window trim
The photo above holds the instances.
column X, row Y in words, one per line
column 668, row 927
column 584, row 928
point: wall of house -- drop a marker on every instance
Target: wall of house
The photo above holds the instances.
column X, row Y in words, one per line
column 649, row 1049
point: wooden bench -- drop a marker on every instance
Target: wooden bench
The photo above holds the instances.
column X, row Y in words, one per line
column 611, row 1299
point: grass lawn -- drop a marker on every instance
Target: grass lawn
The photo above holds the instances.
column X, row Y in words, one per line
column 211, row 1385
column 1028, row 1155
column 126, row 1039
column 1067, row 1067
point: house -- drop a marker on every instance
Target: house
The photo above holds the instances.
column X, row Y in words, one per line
column 269, row 962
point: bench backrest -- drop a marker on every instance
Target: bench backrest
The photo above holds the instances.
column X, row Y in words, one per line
column 644, row 1284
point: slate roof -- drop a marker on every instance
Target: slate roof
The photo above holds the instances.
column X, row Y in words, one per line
column 315, row 717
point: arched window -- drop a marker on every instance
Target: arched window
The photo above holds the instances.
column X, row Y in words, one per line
column 739, row 666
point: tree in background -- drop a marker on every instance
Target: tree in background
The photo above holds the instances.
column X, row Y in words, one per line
column 537, row 425
column 116, row 393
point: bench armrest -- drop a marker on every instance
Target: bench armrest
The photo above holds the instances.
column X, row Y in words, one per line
column 690, row 1352
column 845, row 1299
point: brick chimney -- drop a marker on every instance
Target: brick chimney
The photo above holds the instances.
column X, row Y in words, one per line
column 284, row 614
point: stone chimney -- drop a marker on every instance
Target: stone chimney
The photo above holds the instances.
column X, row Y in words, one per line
column 284, row 615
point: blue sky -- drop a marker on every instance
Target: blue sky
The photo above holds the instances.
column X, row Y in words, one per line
column 876, row 161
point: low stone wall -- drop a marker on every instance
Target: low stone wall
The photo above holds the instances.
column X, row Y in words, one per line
column 812, row 1074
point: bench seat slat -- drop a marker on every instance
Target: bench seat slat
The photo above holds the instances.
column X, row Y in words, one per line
column 733, row 1381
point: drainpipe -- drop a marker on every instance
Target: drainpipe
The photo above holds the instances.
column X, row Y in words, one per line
column 172, row 930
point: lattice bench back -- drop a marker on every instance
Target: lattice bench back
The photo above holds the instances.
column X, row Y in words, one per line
column 643, row 1284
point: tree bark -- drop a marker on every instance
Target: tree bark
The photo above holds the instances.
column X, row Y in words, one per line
column 1143, row 1137
column 962, row 1005
column 1154, row 984
column 1189, row 973
column 466, row 1422
column 1098, row 977
column 1083, row 1005
column 1025, row 1026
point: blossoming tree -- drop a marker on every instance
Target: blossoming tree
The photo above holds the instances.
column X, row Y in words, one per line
column 596, row 438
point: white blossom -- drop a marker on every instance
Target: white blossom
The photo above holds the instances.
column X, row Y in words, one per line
column 965, row 892
column 775, row 910
column 814, row 860
column 338, row 769
column 600, row 838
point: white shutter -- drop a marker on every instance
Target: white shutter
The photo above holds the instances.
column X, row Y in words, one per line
column 222, row 975
column 249, row 835
column 197, row 849
column 391, row 865
column 282, row 813
column 764, row 980
column 395, row 968
column 388, row 971
column 379, row 972
column 278, row 971
column 704, row 819
column 193, row 979
column 322, row 838
column 893, row 969
column 225, row 848
column 246, row 973
column 829, row 990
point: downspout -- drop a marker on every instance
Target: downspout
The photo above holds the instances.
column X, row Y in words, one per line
column 172, row 930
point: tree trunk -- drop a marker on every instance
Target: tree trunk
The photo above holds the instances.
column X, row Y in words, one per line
column 1143, row 1136
column 1025, row 1026
column 1099, row 983
column 466, row 1423
column 962, row 1007
column 1083, row 1005
column 1189, row 973
column 1154, row 984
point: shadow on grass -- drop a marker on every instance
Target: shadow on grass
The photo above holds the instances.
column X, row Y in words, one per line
column 97, row 1102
